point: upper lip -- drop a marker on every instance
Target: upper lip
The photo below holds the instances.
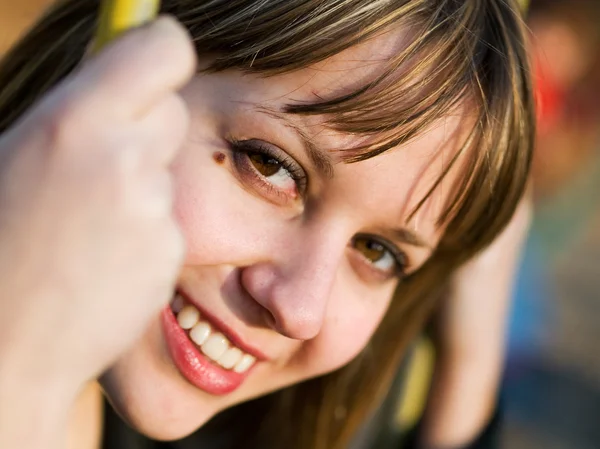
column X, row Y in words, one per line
column 232, row 336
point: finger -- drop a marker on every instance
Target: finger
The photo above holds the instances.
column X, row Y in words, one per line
column 137, row 70
column 163, row 130
column 172, row 256
column 152, row 195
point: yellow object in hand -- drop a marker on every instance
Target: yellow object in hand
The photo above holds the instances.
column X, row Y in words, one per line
column 118, row 16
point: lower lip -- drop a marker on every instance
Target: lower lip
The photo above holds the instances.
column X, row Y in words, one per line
column 194, row 366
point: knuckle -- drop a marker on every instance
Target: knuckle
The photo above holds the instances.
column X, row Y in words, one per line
column 173, row 44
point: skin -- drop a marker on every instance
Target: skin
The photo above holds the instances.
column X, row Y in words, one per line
column 470, row 338
column 468, row 371
column 78, row 212
column 279, row 265
column 293, row 285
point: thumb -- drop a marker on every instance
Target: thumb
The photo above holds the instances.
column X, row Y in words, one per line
column 138, row 69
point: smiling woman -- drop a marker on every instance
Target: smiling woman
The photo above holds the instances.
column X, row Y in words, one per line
column 343, row 159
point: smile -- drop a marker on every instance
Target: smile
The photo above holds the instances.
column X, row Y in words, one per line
column 212, row 344
column 201, row 349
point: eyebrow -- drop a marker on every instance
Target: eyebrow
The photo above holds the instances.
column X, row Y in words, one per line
column 319, row 158
column 409, row 237
column 324, row 164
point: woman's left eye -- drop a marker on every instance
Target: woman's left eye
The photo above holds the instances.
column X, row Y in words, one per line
column 382, row 255
column 268, row 169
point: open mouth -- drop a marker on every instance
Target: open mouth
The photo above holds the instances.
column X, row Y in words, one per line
column 208, row 339
column 201, row 350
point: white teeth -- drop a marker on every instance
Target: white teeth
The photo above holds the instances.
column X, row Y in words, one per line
column 178, row 303
column 215, row 346
column 200, row 332
column 245, row 364
column 230, row 358
column 188, row 317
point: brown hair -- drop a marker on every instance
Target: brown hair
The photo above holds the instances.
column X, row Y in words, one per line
column 461, row 50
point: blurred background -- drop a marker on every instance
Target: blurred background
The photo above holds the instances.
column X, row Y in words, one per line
column 552, row 382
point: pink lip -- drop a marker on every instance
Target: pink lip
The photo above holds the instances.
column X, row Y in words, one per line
column 225, row 329
column 194, row 366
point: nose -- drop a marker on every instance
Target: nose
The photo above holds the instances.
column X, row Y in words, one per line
column 295, row 289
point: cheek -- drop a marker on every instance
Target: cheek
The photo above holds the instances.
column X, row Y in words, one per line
column 204, row 204
column 206, row 212
column 221, row 222
column 352, row 320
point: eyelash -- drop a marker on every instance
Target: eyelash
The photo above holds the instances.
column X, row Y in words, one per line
column 241, row 151
column 402, row 264
column 244, row 148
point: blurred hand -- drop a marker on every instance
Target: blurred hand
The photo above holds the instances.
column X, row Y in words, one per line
column 470, row 336
column 90, row 249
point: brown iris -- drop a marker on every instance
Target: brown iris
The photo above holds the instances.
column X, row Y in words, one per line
column 371, row 249
column 264, row 164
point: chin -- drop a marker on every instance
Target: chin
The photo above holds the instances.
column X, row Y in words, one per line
column 152, row 397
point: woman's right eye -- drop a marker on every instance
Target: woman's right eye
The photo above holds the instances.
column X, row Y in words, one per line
column 272, row 170
column 269, row 170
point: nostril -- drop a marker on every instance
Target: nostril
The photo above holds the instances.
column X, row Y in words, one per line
column 242, row 300
column 288, row 303
column 269, row 319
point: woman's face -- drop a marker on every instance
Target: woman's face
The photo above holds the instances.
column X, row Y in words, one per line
column 293, row 255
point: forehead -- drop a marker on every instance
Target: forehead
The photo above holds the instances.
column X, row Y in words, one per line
column 417, row 165
column 339, row 74
column 351, row 69
column 399, row 178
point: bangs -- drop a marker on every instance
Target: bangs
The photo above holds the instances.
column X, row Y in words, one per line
column 459, row 53
column 463, row 55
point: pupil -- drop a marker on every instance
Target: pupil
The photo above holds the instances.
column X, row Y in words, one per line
column 374, row 246
column 372, row 250
column 266, row 165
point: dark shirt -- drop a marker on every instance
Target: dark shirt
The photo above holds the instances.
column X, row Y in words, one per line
column 216, row 434
column 220, row 434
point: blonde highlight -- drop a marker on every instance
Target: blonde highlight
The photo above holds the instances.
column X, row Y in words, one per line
column 461, row 51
